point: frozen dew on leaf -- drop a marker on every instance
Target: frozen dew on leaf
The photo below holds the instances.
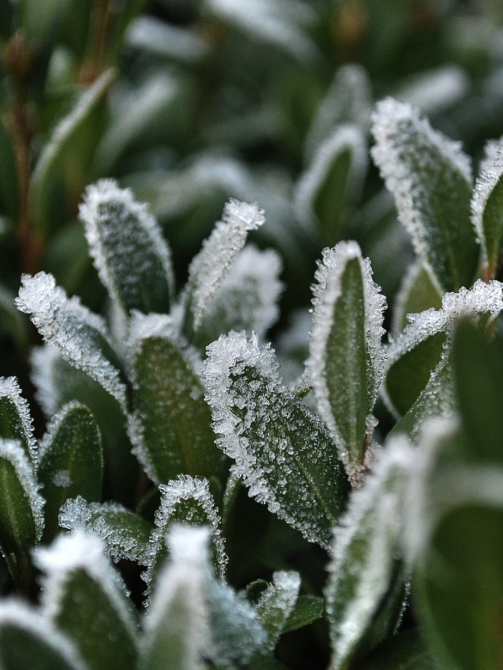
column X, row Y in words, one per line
column 15, row 418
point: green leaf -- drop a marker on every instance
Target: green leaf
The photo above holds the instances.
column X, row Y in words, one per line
column 307, row 610
column 404, row 651
column 417, row 294
column 129, row 252
column 15, row 418
column 171, row 424
column 102, row 625
column 487, row 207
column 346, row 362
column 366, row 544
column 61, row 136
column 125, row 534
column 21, row 517
column 431, row 181
column 283, row 453
column 41, row 19
column 29, row 642
column 71, row 462
column 277, row 603
column 328, row 190
column 12, row 321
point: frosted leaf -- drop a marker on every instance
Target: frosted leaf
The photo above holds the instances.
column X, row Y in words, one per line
column 18, row 615
column 348, row 100
column 430, row 178
column 176, row 625
column 436, row 90
column 277, row 603
column 275, row 21
column 417, row 293
column 15, row 416
column 247, row 298
column 166, row 40
column 487, row 205
column 80, row 335
column 328, row 294
column 344, row 140
column 365, row 548
column 124, row 534
column 80, row 552
column 211, row 265
column 184, row 500
column 132, row 258
column 42, row 366
column 283, row 453
column 13, row 452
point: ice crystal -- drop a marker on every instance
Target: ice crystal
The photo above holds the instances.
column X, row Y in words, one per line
column 11, row 393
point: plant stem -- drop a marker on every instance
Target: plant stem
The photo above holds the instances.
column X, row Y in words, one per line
column 96, row 62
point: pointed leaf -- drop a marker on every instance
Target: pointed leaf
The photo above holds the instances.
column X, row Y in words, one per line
column 171, row 424
column 487, row 207
column 29, row 642
column 346, row 362
column 364, row 552
column 329, row 188
column 307, row 610
column 277, row 603
column 80, row 335
column 125, row 534
column 102, row 625
column 283, row 453
column 211, row 265
column 430, row 178
column 247, row 298
column 61, row 136
column 21, row 517
column 15, row 418
column 131, row 256
column 71, row 462
column 417, row 294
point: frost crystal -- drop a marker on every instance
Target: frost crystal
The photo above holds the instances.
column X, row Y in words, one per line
column 13, row 452
column 277, row 603
column 10, row 391
column 42, row 365
column 79, row 334
column 209, row 268
column 55, row 423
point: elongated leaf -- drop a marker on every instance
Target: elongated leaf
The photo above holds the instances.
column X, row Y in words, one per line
column 184, row 500
column 61, row 136
column 13, row 322
column 150, row 34
column 487, row 207
column 80, row 335
column 210, row 267
column 176, row 626
column 21, row 517
column 430, row 179
column 15, row 418
column 418, row 350
column 131, row 256
column 247, row 298
column 329, row 188
column 277, row 603
column 71, row 462
column 102, row 625
column 417, row 294
column 404, row 651
column 364, row 551
column 171, row 425
column 125, row 534
column 346, row 362
column 283, row 453
column 29, row 642
column 307, row 610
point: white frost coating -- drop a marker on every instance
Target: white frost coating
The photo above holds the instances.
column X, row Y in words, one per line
column 348, row 100
column 103, row 193
column 374, row 516
column 80, row 552
column 62, row 479
column 70, row 326
column 482, row 298
column 343, row 138
column 9, row 388
column 183, row 488
column 390, row 122
column 280, row 596
column 275, row 21
column 42, row 360
column 435, row 90
column 209, row 268
column 20, row 615
column 326, row 293
column 55, row 423
column 490, row 173
column 164, row 39
column 15, row 454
